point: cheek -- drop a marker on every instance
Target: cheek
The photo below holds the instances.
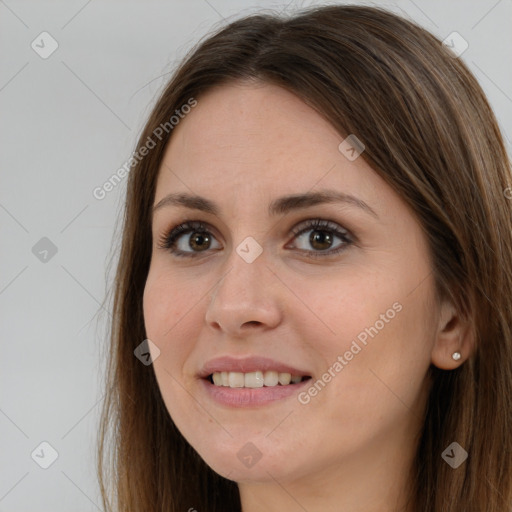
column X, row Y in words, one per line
column 165, row 303
column 169, row 322
column 352, row 308
column 379, row 343
column 166, row 310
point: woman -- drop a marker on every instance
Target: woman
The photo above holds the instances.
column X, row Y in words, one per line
column 316, row 260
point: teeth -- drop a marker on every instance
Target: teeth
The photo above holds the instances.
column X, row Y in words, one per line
column 271, row 378
column 256, row 379
column 284, row 379
column 236, row 380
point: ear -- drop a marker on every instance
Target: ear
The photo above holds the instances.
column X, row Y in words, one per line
column 453, row 334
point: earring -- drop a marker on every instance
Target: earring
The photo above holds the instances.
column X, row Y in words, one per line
column 456, row 356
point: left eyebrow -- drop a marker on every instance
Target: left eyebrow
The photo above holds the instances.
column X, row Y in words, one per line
column 279, row 206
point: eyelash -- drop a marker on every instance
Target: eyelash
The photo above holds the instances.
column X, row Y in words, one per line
column 168, row 239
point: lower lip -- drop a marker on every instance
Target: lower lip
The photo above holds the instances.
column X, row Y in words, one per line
column 248, row 397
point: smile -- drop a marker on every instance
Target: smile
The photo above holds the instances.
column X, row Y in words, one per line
column 250, row 381
column 257, row 379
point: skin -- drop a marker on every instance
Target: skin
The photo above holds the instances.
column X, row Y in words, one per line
column 349, row 448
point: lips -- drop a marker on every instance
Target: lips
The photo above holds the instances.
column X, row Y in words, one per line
column 250, row 381
column 248, row 365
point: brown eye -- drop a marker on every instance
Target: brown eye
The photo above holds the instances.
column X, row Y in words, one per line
column 199, row 241
column 320, row 240
column 323, row 235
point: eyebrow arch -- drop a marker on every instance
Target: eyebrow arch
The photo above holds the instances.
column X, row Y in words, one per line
column 279, row 206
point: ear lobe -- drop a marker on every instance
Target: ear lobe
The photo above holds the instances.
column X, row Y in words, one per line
column 453, row 334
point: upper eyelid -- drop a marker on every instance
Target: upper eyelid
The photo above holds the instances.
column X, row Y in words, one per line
column 318, row 223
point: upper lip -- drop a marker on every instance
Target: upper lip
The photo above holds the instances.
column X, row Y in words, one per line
column 246, row 365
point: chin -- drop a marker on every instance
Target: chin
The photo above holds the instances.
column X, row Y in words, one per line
column 261, row 471
column 251, row 462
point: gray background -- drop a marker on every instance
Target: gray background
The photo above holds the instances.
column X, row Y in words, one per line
column 68, row 122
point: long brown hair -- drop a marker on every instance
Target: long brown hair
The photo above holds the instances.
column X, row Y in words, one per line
column 429, row 131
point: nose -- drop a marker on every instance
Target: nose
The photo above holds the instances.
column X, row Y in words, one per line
column 245, row 298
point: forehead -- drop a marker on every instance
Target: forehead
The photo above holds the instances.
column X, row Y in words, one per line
column 244, row 136
column 244, row 146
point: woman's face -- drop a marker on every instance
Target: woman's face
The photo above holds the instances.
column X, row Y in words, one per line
column 348, row 302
